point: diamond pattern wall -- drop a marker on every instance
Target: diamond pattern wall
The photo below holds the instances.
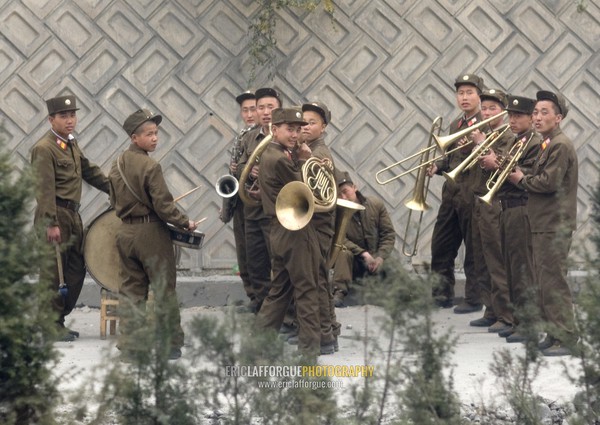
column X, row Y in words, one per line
column 384, row 67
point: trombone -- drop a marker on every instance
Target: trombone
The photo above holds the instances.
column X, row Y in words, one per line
column 443, row 143
column 418, row 201
column 473, row 157
column 506, row 166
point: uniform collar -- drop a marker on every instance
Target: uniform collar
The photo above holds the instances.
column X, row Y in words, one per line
column 69, row 138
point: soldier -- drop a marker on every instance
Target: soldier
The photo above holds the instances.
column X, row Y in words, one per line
column 515, row 232
column 487, row 251
column 141, row 199
column 60, row 167
column 370, row 238
column 552, row 208
column 258, row 258
column 295, row 254
column 453, row 223
column 317, row 117
column 233, row 206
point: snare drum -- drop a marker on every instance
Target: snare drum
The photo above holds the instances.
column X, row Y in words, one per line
column 100, row 250
column 186, row 239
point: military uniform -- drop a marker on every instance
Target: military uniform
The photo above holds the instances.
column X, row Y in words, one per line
column 453, row 226
column 487, row 250
column 143, row 241
column 257, row 227
column 295, row 254
column 61, row 167
column 552, row 209
column 369, row 230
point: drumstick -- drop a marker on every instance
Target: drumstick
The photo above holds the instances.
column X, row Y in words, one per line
column 180, row 197
column 201, row 220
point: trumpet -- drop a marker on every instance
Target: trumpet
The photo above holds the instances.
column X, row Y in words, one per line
column 442, row 143
column 473, row 157
column 506, row 166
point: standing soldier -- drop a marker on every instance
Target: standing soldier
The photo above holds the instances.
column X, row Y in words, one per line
column 258, row 258
column 552, row 207
column 233, row 207
column 60, row 168
column 296, row 254
column 487, row 250
column 453, row 224
column 141, row 199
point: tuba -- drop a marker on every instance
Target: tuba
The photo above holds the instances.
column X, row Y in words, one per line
column 298, row 201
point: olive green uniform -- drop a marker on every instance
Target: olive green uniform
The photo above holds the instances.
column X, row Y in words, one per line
column 296, row 257
column 324, row 225
column 143, row 241
column 453, row 226
column 257, row 227
column 552, row 208
column 60, row 168
column 515, row 237
column 487, row 249
column 368, row 230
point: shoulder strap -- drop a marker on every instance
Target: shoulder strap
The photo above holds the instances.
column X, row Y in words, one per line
column 127, row 183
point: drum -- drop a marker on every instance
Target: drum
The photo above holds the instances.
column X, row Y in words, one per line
column 100, row 250
column 185, row 238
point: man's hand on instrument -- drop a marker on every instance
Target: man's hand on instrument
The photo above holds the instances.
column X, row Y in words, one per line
column 432, row 170
column 233, row 167
column 254, row 172
column 465, row 144
column 477, row 136
column 254, row 192
column 53, row 234
column 516, row 176
column 192, row 225
column 303, row 152
column 489, row 161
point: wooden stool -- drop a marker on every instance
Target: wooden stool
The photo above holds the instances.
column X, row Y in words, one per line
column 108, row 312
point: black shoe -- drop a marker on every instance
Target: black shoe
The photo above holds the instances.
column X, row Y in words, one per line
column 444, row 303
column 328, row 348
column 546, row 343
column 465, row 308
column 557, row 349
column 338, row 300
column 516, row 337
column 175, row 353
column 506, row 332
column 499, row 326
column 287, row 336
column 72, row 332
column 286, row 329
column 482, row 322
column 64, row 335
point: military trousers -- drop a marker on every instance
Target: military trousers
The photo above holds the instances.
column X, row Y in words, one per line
column 73, row 263
column 295, row 276
column 487, row 254
column 550, row 252
column 452, row 228
column 147, row 260
column 330, row 327
column 258, row 256
column 239, row 235
column 515, row 237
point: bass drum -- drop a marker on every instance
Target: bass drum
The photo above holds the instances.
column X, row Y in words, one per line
column 100, row 250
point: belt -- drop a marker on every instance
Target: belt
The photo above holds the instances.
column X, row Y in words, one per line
column 140, row 219
column 512, row 203
column 73, row 206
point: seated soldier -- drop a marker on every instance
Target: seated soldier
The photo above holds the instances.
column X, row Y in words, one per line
column 370, row 238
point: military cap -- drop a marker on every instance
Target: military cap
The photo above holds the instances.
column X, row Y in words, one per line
column 556, row 98
column 61, row 104
column 342, row 177
column 245, row 96
column 267, row 92
column 496, row 95
column 287, row 115
column 138, row 118
column 319, row 108
column 520, row 104
column 471, row 80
